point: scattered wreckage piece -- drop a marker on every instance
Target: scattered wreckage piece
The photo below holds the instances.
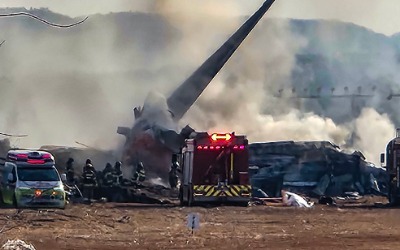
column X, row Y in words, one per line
column 295, row 200
column 314, row 168
column 288, row 199
column 143, row 194
column 267, row 201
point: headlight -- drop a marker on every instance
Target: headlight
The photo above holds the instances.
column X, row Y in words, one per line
column 38, row 193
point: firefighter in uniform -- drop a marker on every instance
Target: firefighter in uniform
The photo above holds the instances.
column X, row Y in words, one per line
column 89, row 180
column 117, row 174
column 108, row 180
column 70, row 171
column 173, row 173
column 139, row 175
column 108, row 175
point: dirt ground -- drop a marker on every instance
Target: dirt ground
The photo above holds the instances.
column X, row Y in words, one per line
column 138, row 226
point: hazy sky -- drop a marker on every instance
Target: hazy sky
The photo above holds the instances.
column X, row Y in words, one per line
column 379, row 15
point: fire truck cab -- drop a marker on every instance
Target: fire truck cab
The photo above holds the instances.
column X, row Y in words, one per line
column 215, row 169
column 393, row 169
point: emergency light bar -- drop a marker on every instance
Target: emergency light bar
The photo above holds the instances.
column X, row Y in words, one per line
column 219, row 137
column 34, row 161
column 206, row 147
column 31, row 157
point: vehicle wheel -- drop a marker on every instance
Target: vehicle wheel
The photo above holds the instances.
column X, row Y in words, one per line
column 190, row 200
column 1, row 200
column 393, row 200
column 64, row 206
column 15, row 202
column 181, row 201
column 392, row 195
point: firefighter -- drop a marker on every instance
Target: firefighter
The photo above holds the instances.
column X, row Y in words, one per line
column 89, row 180
column 139, row 175
column 70, row 171
column 108, row 175
column 88, row 162
column 108, row 181
column 117, row 174
column 173, row 173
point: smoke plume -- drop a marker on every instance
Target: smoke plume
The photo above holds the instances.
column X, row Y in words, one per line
column 62, row 86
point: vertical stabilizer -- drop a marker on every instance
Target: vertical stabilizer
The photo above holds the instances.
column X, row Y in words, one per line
column 188, row 92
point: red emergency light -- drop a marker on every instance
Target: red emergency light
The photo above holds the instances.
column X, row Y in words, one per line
column 200, row 147
column 46, row 156
column 34, row 161
column 221, row 137
column 22, row 156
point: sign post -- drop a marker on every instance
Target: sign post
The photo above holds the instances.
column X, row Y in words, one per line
column 193, row 221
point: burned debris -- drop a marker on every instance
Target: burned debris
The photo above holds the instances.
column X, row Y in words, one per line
column 154, row 122
column 314, row 168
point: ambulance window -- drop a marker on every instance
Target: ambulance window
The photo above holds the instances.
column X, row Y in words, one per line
column 14, row 175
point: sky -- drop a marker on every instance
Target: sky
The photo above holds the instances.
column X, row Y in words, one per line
column 381, row 16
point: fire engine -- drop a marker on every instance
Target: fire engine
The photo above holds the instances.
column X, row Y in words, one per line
column 393, row 168
column 215, row 169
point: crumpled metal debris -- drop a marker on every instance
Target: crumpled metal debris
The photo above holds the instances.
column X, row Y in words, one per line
column 17, row 245
column 294, row 200
column 313, row 168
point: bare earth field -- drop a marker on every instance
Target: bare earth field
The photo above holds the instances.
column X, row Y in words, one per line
column 136, row 226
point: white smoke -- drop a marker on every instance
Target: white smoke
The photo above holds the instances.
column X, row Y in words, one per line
column 155, row 112
column 242, row 98
column 373, row 131
column 61, row 86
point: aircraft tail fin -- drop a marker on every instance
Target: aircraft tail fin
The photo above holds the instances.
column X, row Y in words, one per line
column 188, row 92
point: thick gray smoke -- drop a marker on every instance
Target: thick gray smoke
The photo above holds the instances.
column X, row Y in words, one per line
column 242, row 98
column 62, row 86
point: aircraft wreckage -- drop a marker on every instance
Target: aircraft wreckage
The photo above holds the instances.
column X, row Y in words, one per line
column 314, row 168
column 153, row 138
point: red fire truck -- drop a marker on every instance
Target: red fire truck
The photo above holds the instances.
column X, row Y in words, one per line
column 215, row 169
column 393, row 168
